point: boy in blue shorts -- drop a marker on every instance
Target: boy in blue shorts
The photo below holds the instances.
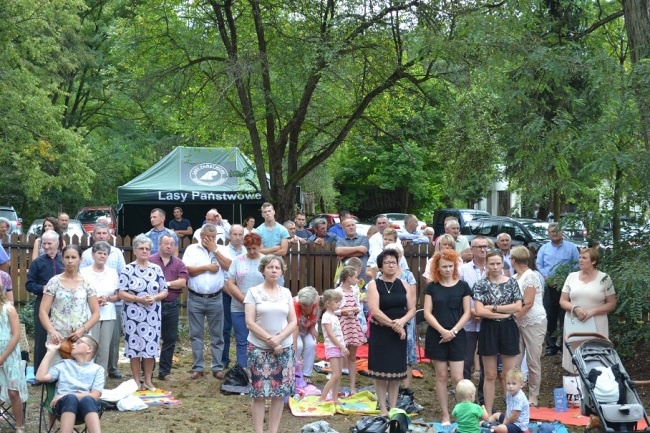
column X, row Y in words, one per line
column 517, row 415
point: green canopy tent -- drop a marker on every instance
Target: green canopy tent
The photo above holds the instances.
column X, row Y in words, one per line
column 196, row 179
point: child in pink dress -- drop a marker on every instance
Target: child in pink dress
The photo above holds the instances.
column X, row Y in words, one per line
column 335, row 348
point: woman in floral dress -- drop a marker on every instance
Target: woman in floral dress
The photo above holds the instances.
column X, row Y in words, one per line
column 142, row 286
column 70, row 307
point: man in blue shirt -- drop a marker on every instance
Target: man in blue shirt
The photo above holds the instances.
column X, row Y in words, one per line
column 157, row 218
column 337, row 229
column 550, row 258
column 181, row 226
column 321, row 235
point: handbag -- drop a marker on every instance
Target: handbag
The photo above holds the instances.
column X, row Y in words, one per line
column 577, row 326
column 369, row 424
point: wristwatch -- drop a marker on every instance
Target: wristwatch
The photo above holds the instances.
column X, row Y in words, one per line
column 455, row 331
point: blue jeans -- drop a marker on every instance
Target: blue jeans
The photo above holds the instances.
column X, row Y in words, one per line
column 227, row 330
column 241, row 336
column 70, row 403
column 198, row 310
column 168, row 334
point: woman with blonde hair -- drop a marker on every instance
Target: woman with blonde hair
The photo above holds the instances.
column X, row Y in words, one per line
column 531, row 320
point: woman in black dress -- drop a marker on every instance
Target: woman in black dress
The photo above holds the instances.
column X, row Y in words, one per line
column 446, row 310
column 392, row 304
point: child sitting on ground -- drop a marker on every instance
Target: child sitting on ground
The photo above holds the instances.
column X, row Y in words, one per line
column 517, row 415
column 80, row 383
column 467, row 413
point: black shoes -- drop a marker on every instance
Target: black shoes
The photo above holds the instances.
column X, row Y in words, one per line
column 552, row 351
column 116, row 375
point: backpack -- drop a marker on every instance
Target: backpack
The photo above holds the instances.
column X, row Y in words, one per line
column 236, row 381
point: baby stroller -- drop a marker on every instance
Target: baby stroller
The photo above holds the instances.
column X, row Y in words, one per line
column 616, row 404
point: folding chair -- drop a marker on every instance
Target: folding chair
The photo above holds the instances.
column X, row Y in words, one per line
column 47, row 419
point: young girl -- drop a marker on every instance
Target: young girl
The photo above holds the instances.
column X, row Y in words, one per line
column 348, row 310
column 13, row 386
column 467, row 413
column 335, row 348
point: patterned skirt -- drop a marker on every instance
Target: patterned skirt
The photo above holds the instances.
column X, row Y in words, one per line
column 271, row 375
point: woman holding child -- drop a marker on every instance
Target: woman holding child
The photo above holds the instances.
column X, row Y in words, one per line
column 446, row 310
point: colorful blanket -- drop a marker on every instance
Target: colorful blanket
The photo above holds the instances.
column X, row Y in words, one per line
column 157, row 397
column 571, row 417
column 362, row 403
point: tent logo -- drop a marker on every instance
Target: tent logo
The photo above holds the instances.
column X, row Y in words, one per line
column 208, row 174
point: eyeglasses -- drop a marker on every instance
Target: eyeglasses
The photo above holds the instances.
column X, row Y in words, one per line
column 390, row 263
column 480, row 247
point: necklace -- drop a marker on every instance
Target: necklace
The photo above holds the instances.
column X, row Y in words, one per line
column 386, row 286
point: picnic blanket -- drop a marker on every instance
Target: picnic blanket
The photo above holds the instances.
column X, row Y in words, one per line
column 362, row 403
column 362, row 352
column 157, row 397
column 571, row 417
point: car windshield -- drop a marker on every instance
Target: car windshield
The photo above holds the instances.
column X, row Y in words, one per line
column 90, row 216
column 9, row 214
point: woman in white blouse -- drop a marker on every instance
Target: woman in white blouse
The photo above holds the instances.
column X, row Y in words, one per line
column 531, row 320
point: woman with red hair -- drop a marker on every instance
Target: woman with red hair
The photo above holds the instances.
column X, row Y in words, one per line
column 446, row 310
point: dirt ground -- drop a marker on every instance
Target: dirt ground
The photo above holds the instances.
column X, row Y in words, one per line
column 206, row 410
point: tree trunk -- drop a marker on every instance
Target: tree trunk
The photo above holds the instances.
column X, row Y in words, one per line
column 637, row 25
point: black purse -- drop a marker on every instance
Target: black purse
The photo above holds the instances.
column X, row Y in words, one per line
column 369, row 424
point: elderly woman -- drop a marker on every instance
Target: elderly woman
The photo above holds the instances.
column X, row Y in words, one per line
column 531, row 320
column 446, row 310
column 69, row 308
column 49, row 223
column 497, row 299
column 271, row 320
column 104, row 280
column 392, row 304
column 243, row 274
column 306, row 335
column 587, row 293
column 142, row 286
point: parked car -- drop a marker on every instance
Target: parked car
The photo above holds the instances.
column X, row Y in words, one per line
column 574, row 228
column 88, row 217
column 15, row 223
column 396, row 220
column 464, row 216
column 75, row 228
column 492, row 226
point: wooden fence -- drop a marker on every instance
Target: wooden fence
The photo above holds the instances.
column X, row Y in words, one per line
column 307, row 265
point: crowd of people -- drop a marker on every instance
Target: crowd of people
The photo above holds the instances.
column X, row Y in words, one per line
column 489, row 308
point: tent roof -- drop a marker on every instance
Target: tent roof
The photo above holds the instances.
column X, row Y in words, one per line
column 195, row 175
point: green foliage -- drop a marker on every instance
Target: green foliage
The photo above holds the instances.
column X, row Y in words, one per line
column 26, row 316
column 627, row 265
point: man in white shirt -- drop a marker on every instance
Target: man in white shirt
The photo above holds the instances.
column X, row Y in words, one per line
column 376, row 241
column 204, row 301
column 452, row 227
column 223, row 226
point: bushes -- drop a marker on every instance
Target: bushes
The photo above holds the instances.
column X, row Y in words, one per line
column 629, row 267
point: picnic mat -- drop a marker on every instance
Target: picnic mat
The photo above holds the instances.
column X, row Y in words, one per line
column 362, row 352
column 571, row 417
column 157, row 397
column 362, row 403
